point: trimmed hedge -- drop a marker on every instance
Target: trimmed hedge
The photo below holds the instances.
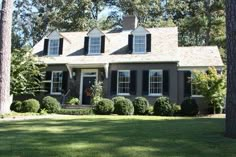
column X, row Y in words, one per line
column 141, row 105
column 104, row 107
column 73, row 101
column 117, row 98
column 50, row 104
column 124, row 107
column 163, row 107
column 30, row 105
column 16, row 106
column 86, row 111
column 189, row 107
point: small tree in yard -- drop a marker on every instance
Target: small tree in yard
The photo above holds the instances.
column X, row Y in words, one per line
column 96, row 92
column 211, row 85
column 26, row 73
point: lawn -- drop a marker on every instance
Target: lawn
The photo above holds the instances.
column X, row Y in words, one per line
column 121, row 136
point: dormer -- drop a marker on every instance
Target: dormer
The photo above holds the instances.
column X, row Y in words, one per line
column 140, row 41
column 94, row 42
column 53, row 44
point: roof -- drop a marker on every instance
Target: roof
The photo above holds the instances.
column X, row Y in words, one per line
column 164, row 49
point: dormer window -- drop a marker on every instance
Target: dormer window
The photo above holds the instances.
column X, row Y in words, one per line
column 139, row 43
column 53, row 47
column 95, row 45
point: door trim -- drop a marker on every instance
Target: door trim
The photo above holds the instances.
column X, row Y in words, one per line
column 82, row 75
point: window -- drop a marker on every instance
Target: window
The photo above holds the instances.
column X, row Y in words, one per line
column 195, row 91
column 155, row 82
column 139, row 43
column 56, row 84
column 123, row 82
column 95, row 45
column 53, row 48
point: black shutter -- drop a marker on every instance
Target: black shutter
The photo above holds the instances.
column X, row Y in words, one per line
column 48, row 77
column 86, row 45
column 61, row 46
column 113, row 82
column 130, row 43
column 65, row 81
column 187, row 84
column 45, row 50
column 166, row 82
column 145, row 82
column 103, row 44
column 149, row 42
column 133, row 82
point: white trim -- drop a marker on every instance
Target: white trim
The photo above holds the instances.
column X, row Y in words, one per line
column 145, row 43
column 51, row 88
column 117, row 84
column 100, row 38
column 197, row 96
column 49, row 41
column 155, row 94
column 81, row 80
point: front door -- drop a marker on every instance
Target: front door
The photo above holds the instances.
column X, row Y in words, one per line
column 87, row 83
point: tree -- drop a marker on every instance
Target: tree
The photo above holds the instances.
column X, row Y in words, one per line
column 5, row 54
column 211, row 85
column 26, row 73
column 230, row 125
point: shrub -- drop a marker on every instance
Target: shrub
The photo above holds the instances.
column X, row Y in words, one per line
column 30, row 105
column 189, row 107
column 104, row 106
column 50, row 104
column 163, row 107
column 73, row 101
column 16, row 106
column 124, row 107
column 117, row 98
column 149, row 110
column 141, row 105
column 96, row 92
column 85, row 111
column 176, row 109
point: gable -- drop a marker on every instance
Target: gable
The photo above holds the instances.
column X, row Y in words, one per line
column 140, row 30
column 95, row 32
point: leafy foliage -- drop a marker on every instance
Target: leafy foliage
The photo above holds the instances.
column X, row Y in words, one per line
column 189, row 107
column 117, row 98
column 50, row 104
column 124, row 107
column 96, row 92
column 16, row 106
column 163, row 107
column 104, row 107
column 85, row 111
column 30, row 105
column 26, row 73
column 141, row 105
column 211, row 85
column 73, row 101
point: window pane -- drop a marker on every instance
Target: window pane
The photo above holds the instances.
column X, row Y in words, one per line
column 139, row 43
column 155, row 82
column 53, row 47
column 95, row 45
column 57, row 82
column 123, row 82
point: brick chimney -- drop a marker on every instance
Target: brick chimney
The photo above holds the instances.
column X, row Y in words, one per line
column 130, row 22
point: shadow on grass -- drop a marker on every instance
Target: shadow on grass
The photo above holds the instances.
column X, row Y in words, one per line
column 115, row 137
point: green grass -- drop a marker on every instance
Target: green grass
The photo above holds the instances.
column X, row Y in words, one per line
column 123, row 136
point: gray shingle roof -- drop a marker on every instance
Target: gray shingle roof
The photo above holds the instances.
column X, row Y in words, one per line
column 164, row 49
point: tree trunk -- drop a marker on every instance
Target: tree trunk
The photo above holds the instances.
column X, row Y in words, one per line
column 5, row 54
column 230, row 126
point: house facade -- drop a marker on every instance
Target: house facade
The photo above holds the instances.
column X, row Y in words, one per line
column 133, row 61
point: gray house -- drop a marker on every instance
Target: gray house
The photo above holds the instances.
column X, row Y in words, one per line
column 131, row 62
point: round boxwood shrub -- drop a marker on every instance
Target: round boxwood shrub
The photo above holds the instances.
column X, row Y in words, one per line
column 163, row 107
column 50, row 104
column 124, row 107
column 141, row 105
column 16, row 106
column 117, row 98
column 189, row 107
column 104, row 106
column 30, row 105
